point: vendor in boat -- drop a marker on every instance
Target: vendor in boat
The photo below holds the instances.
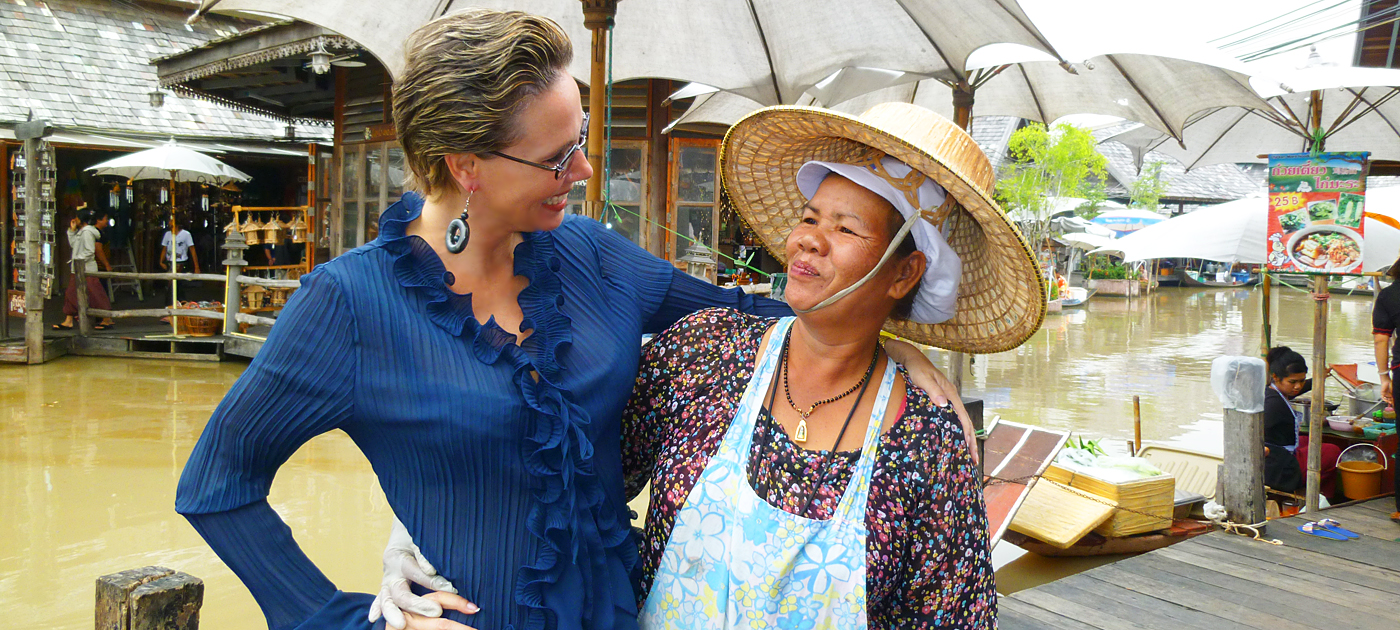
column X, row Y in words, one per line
column 1385, row 318
column 1285, row 448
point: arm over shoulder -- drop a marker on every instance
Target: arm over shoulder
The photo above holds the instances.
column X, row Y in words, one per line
column 662, row 293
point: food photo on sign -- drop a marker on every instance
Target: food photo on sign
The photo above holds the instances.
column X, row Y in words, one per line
column 1316, row 209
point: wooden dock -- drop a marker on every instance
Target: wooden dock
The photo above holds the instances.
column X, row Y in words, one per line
column 1223, row 581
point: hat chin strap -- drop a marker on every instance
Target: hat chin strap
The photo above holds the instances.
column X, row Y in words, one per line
column 889, row 253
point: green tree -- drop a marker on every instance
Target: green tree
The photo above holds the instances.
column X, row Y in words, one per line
column 1148, row 188
column 1047, row 163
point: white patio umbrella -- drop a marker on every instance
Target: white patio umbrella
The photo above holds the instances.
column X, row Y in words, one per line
column 1128, row 219
column 173, row 162
column 1086, row 241
column 1229, row 232
column 1354, row 107
column 178, row 164
column 770, row 51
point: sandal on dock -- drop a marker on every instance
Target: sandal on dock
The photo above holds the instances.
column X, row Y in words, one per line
column 62, row 327
column 1395, row 517
column 1313, row 529
column 1332, row 525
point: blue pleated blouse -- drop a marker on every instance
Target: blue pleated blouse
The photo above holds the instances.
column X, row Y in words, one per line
column 511, row 485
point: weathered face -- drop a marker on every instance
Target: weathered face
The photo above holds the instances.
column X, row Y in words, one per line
column 843, row 232
column 527, row 198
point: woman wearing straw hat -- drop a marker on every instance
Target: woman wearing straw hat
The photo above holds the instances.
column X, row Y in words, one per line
column 797, row 479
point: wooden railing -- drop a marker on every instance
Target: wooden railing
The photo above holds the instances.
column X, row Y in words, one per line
column 233, row 281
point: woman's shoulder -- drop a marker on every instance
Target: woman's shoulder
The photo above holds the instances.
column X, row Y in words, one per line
column 923, row 427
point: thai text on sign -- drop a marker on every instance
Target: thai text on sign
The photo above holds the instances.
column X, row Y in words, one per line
column 1316, row 212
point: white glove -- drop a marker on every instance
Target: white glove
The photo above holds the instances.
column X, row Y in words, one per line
column 403, row 562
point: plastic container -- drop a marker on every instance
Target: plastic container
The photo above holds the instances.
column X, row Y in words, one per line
column 1361, row 478
column 1340, row 423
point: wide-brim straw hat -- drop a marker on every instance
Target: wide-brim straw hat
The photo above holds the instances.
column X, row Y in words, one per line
column 1001, row 298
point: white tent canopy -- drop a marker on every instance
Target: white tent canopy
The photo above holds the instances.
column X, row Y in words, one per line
column 1085, row 241
column 174, row 162
column 1229, row 232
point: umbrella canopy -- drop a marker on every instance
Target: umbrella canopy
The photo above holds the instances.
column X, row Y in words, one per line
column 1070, row 225
column 1086, row 241
column 1128, row 219
column 770, row 51
column 171, row 161
column 1164, row 93
column 1357, row 113
column 1229, row 232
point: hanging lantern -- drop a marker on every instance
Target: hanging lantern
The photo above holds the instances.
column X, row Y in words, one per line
column 279, row 296
column 272, row 232
column 298, row 228
column 252, row 231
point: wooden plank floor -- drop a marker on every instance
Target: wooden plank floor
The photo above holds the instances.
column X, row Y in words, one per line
column 1222, row 581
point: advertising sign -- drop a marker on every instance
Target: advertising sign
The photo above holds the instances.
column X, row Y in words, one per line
column 1316, row 210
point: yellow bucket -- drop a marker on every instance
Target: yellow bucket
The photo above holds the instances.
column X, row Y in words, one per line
column 1361, row 480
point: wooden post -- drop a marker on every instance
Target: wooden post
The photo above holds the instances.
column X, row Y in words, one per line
column 1266, row 282
column 1319, row 390
column 1243, row 481
column 80, row 277
column 598, row 18
column 33, row 280
column 962, row 117
column 1137, row 425
column 150, row 598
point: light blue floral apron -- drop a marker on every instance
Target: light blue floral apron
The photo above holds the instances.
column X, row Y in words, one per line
column 734, row 561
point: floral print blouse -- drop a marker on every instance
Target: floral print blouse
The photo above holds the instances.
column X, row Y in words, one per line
column 928, row 565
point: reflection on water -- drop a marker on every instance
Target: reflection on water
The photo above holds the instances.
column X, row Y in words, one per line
column 90, row 449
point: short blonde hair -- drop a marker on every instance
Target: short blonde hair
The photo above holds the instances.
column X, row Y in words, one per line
column 466, row 79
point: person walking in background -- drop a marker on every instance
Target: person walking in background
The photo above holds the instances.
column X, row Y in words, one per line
column 1384, row 319
column 84, row 232
column 184, row 248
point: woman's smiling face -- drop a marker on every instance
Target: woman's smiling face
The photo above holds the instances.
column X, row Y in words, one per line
column 530, row 198
column 843, row 232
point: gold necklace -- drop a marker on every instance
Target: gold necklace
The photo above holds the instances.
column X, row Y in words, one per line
column 800, row 435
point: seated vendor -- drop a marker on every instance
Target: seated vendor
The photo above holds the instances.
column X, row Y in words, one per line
column 1286, row 450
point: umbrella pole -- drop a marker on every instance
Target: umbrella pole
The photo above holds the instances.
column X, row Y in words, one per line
column 597, row 17
column 1319, row 399
column 962, row 117
column 1266, row 282
column 174, row 296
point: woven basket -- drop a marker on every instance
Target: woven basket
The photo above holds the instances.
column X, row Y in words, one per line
column 199, row 326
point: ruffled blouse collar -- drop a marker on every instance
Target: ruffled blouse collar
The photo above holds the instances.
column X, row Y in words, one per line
column 417, row 267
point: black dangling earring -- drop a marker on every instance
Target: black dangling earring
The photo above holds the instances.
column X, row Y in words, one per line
column 458, row 232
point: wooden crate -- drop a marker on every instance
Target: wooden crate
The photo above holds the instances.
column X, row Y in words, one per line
column 1153, row 496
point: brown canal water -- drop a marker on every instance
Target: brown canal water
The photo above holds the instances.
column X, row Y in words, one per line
column 91, row 449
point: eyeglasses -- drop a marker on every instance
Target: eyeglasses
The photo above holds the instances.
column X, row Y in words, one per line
column 563, row 163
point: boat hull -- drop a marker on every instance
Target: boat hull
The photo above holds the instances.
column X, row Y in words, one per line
column 1096, row 545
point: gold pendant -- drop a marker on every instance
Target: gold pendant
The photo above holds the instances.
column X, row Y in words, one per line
column 800, row 435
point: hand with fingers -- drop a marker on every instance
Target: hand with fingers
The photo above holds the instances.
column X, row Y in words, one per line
column 400, row 607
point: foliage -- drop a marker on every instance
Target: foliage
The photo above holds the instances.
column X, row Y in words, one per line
column 1090, row 446
column 1054, row 291
column 1148, row 188
column 1049, row 163
column 1112, row 271
column 1093, row 205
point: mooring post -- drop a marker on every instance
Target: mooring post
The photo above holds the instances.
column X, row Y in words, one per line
column 32, row 133
column 1239, row 382
column 233, row 267
column 149, row 598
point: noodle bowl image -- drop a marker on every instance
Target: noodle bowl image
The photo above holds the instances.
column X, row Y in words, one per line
column 1326, row 248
